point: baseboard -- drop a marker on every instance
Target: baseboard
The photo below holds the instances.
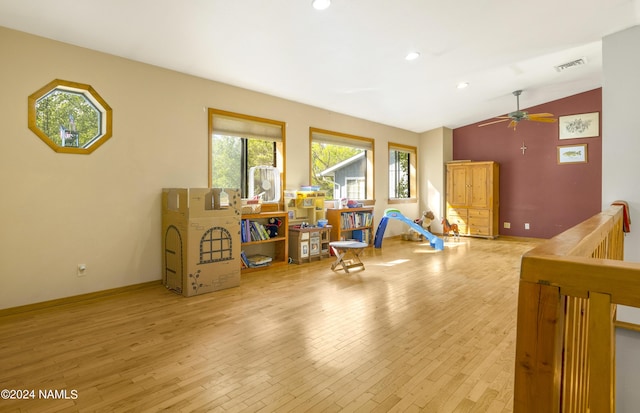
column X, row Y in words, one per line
column 76, row 298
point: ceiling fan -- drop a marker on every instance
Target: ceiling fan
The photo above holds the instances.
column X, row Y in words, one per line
column 520, row 115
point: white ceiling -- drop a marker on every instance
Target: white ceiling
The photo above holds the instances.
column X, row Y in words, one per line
column 350, row 57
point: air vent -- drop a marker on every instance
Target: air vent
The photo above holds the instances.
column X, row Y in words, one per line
column 572, row 64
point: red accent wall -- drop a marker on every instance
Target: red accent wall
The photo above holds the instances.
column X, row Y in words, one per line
column 534, row 189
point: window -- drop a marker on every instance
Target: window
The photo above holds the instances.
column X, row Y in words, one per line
column 402, row 172
column 216, row 245
column 69, row 117
column 355, row 188
column 342, row 165
column 246, row 152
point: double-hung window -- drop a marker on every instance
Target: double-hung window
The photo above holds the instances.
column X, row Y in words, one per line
column 402, row 173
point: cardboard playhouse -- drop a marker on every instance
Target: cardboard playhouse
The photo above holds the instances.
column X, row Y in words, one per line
column 200, row 239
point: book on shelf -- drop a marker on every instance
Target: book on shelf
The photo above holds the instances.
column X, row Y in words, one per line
column 356, row 219
column 362, row 235
column 244, row 260
column 253, row 231
column 258, row 260
column 255, row 260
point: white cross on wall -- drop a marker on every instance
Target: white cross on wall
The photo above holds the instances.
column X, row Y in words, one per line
column 523, row 148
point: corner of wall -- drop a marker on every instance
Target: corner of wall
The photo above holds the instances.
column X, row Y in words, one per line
column 434, row 149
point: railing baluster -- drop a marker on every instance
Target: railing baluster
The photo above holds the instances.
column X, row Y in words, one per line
column 601, row 338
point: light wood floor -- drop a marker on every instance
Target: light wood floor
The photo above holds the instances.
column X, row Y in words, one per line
column 418, row 330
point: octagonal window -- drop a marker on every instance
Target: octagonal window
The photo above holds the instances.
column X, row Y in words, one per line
column 69, row 117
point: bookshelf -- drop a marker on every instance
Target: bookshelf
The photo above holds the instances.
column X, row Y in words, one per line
column 254, row 242
column 304, row 206
column 351, row 223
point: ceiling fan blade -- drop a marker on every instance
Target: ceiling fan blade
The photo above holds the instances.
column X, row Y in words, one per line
column 546, row 120
column 495, row 121
column 541, row 115
column 519, row 115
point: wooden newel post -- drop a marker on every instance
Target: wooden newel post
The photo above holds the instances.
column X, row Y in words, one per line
column 538, row 349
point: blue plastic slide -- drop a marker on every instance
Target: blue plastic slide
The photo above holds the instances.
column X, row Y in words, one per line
column 392, row 213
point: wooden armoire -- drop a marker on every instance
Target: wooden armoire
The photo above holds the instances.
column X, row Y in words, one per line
column 473, row 197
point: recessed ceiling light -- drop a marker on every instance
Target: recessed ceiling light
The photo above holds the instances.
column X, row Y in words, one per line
column 412, row 56
column 321, row 4
column 462, row 85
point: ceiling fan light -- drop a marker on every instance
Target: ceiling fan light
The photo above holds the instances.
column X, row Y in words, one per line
column 321, row 4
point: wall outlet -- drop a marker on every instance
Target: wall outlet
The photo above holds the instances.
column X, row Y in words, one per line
column 526, row 225
column 82, row 270
column 507, row 224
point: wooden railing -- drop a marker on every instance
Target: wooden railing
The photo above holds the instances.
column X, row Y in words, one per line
column 569, row 289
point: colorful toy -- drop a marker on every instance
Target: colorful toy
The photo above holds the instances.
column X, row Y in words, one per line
column 273, row 226
column 448, row 228
column 392, row 213
column 425, row 220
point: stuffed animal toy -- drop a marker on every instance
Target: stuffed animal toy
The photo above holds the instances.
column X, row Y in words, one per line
column 425, row 220
column 273, row 226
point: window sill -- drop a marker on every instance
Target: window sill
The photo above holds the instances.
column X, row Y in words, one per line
column 402, row 200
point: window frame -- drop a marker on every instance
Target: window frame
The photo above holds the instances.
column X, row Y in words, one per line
column 413, row 172
column 104, row 123
column 279, row 148
column 335, row 138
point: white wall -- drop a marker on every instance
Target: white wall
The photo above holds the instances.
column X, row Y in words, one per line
column 620, row 173
column 436, row 147
column 621, row 128
column 103, row 209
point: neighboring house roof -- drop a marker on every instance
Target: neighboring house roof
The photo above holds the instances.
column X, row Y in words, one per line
column 340, row 165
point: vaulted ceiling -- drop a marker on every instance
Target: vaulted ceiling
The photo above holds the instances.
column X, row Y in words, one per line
column 350, row 58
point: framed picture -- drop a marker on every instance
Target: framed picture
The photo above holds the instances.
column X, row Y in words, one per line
column 572, row 154
column 586, row 125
